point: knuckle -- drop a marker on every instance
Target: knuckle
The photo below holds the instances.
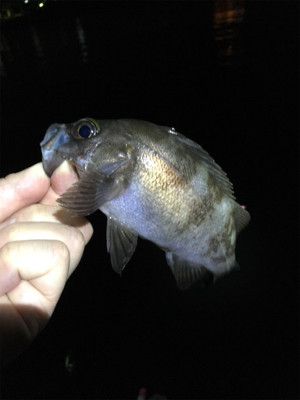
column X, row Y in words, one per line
column 78, row 239
column 35, row 212
column 37, row 209
column 60, row 251
column 10, row 232
column 7, row 253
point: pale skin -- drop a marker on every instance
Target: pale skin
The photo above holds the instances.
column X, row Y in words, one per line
column 41, row 244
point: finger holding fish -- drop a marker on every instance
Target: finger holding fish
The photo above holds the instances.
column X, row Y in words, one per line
column 47, row 209
column 40, row 246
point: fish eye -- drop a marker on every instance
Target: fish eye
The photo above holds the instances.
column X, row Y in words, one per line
column 84, row 131
column 86, row 128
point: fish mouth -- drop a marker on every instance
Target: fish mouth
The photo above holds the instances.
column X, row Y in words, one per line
column 55, row 140
column 58, row 146
column 50, row 165
column 56, row 159
column 50, row 156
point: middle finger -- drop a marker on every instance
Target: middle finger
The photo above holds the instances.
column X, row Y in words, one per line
column 45, row 213
column 69, row 235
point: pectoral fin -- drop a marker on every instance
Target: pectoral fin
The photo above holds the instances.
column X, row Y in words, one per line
column 121, row 243
column 186, row 272
column 90, row 192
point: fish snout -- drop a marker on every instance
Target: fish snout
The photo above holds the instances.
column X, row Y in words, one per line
column 55, row 136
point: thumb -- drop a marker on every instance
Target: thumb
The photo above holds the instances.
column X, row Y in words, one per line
column 62, row 178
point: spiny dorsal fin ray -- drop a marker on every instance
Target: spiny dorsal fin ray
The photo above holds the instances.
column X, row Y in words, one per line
column 216, row 171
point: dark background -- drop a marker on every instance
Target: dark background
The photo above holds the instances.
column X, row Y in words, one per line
column 226, row 75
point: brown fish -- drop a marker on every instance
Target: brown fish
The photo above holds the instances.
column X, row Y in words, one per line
column 153, row 182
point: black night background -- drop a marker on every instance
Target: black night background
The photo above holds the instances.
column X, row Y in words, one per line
column 225, row 74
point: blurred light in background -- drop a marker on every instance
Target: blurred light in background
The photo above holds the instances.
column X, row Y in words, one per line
column 228, row 21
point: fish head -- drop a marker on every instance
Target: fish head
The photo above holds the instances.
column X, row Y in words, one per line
column 88, row 144
column 73, row 142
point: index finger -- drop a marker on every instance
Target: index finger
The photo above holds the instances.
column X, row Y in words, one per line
column 22, row 189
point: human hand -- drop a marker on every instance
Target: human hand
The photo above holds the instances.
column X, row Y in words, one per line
column 40, row 246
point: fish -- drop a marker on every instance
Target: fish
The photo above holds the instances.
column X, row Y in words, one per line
column 151, row 182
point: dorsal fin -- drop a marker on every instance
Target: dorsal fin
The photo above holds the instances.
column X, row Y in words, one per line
column 215, row 170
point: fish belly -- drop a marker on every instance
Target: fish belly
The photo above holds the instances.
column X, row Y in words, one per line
column 208, row 240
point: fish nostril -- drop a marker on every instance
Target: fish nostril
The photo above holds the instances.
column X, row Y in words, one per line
column 49, row 141
column 53, row 131
column 53, row 128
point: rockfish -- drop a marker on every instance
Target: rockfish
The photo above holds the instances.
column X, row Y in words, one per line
column 153, row 182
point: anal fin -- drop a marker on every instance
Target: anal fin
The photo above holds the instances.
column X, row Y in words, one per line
column 186, row 273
